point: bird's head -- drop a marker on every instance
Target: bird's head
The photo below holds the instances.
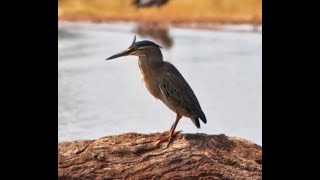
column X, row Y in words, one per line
column 139, row 48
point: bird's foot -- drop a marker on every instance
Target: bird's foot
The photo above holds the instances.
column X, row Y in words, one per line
column 168, row 138
column 163, row 134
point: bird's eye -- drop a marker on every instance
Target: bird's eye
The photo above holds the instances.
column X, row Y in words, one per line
column 143, row 47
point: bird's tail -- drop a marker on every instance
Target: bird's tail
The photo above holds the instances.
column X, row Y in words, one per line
column 202, row 117
column 195, row 121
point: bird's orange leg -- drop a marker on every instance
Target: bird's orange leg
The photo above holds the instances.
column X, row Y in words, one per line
column 168, row 133
column 172, row 133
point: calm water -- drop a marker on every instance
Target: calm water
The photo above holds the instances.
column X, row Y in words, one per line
column 99, row 98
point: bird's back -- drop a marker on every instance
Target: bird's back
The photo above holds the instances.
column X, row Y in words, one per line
column 178, row 95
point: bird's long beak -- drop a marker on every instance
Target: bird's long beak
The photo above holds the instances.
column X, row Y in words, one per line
column 121, row 54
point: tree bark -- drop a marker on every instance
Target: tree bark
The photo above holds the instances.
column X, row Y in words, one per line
column 135, row 156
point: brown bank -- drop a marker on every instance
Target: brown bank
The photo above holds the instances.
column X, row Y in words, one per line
column 173, row 12
column 134, row 156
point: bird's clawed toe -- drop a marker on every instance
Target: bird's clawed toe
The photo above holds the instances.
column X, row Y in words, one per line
column 176, row 133
column 168, row 138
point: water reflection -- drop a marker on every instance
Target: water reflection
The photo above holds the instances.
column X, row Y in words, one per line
column 64, row 33
column 156, row 32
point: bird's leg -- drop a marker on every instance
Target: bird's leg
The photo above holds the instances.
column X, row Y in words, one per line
column 171, row 131
column 168, row 131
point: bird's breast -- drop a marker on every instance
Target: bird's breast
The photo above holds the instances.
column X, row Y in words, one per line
column 151, row 85
column 150, row 82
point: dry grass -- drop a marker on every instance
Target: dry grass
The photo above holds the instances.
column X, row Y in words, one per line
column 230, row 11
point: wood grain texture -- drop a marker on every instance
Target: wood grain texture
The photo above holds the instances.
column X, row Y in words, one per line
column 135, row 156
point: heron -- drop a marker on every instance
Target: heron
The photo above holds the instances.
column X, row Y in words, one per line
column 165, row 82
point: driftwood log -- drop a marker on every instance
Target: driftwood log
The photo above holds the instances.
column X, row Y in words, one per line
column 135, row 156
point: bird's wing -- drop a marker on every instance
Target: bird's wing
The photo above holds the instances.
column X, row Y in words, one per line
column 178, row 91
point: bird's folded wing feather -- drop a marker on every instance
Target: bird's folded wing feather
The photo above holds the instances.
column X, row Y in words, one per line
column 177, row 90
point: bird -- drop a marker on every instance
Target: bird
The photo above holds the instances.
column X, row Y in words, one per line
column 165, row 83
column 149, row 3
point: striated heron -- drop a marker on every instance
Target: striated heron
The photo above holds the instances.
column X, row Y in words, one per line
column 166, row 83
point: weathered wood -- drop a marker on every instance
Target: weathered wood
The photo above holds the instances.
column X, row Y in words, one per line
column 135, row 156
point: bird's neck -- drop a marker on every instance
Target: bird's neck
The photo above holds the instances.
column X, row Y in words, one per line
column 150, row 61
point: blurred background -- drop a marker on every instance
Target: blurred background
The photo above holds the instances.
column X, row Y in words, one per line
column 215, row 44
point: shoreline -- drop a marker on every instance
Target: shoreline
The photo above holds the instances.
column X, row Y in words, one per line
column 205, row 25
column 203, row 20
